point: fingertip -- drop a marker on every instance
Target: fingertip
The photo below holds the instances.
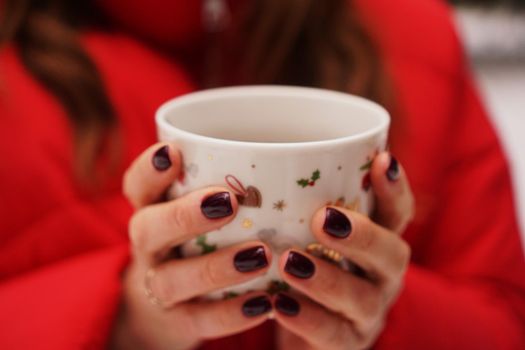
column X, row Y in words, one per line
column 252, row 257
column 386, row 174
column 318, row 219
column 380, row 166
column 267, row 249
column 256, row 304
column 166, row 156
column 218, row 203
column 283, row 258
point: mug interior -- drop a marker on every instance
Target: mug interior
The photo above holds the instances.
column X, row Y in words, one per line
column 273, row 114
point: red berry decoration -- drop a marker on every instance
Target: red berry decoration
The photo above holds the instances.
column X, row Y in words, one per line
column 304, row 182
column 366, row 183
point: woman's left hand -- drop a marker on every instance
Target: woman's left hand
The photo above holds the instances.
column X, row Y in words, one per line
column 342, row 310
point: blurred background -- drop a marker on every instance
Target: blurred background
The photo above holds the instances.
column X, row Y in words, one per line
column 493, row 32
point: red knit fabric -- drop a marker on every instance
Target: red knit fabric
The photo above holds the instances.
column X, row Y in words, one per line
column 61, row 252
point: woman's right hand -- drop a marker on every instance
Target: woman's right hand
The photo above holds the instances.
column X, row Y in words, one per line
column 180, row 320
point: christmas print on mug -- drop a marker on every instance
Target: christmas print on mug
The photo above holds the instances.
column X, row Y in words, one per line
column 249, row 197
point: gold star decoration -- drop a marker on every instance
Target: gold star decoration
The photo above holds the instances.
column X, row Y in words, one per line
column 279, row 205
column 247, row 223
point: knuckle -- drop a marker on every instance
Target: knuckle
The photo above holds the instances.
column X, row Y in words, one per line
column 338, row 337
column 370, row 307
column 136, row 230
column 185, row 318
column 365, row 237
column 223, row 320
column 128, row 189
column 403, row 257
column 334, row 287
column 163, row 287
column 126, row 186
column 180, row 218
column 209, row 274
column 317, row 326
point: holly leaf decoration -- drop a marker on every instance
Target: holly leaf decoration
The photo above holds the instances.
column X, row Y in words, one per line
column 206, row 248
column 230, row 295
column 316, row 175
column 366, row 166
column 303, row 182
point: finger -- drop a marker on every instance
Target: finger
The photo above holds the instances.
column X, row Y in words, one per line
column 184, row 279
column 359, row 239
column 151, row 174
column 342, row 292
column 288, row 340
column 394, row 199
column 318, row 326
column 214, row 319
column 157, row 228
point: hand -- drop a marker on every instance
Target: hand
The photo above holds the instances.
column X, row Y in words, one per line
column 181, row 321
column 342, row 310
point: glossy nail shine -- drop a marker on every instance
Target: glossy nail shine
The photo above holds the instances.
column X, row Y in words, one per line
column 161, row 159
column 217, row 206
column 251, row 259
column 287, row 305
column 392, row 173
column 256, row 306
column 336, row 224
column 299, row 266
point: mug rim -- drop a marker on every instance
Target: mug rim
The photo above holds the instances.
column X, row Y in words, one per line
column 270, row 90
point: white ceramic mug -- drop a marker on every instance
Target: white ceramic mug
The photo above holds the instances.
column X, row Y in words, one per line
column 284, row 151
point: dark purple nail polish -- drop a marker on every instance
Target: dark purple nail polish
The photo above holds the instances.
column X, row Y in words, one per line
column 256, row 306
column 287, row 305
column 250, row 259
column 299, row 265
column 217, row 206
column 336, row 224
column 392, row 173
column 161, row 159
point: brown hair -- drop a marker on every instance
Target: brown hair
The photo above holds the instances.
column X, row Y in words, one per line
column 295, row 42
column 45, row 34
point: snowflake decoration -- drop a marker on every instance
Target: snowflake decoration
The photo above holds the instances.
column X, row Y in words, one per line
column 279, row 205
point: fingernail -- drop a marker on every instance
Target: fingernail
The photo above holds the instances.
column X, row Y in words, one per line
column 250, row 259
column 161, row 159
column 392, row 173
column 256, row 306
column 299, row 265
column 217, row 206
column 336, row 224
column 287, row 305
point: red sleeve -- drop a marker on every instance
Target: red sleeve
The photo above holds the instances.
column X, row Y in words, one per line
column 68, row 305
column 467, row 290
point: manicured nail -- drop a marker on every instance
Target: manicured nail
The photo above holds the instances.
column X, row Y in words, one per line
column 250, row 259
column 392, row 173
column 287, row 305
column 161, row 159
column 217, row 206
column 256, row 306
column 299, row 266
column 336, row 224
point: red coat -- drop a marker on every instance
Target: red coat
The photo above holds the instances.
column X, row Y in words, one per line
column 61, row 252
